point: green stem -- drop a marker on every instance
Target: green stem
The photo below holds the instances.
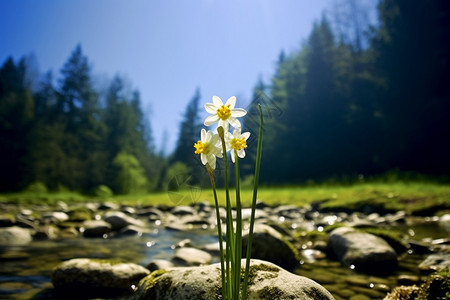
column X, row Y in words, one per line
column 237, row 269
column 230, row 240
column 255, row 192
column 219, row 231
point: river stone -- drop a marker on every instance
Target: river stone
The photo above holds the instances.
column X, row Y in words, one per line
column 183, row 210
column 7, row 220
column 55, row 217
column 268, row 244
column 444, row 221
column 191, row 257
column 119, row 220
column 96, row 228
column 14, row 236
column 90, row 278
column 403, row 293
column 266, row 281
column 436, row 262
column 363, row 251
column 159, row 264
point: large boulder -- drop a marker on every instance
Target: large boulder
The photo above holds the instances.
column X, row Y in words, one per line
column 90, row 278
column 15, row 236
column 362, row 251
column 266, row 281
column 270, row 245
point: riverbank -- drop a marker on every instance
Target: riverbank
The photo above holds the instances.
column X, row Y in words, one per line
column 413, row 197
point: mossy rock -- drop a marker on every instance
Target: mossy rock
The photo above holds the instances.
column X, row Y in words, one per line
column 266, row 281
column 91, row 278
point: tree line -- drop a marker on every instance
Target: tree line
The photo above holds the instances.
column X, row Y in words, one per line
column 72, row 136
column 355, row 99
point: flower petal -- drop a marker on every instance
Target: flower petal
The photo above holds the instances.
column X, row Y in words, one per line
column 203, row 135
column 238, row 112
column 217, row 101
column 211, row 160
column 231, row 102
column 232, row 156
column 211, row 108
column 234, row 122
column 228, row 135
column 224, row 125
column 214, row 138
column 203, row 158
column 211, row 120
column 237, row 132
column 209, row 135
column 245, row 135
column 218, row 152
column 241, row 153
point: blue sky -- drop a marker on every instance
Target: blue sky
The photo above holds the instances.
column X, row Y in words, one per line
column 166, row 49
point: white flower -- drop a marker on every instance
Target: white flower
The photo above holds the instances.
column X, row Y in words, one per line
column 237, row 142
column 224, row 113
column 208, row 147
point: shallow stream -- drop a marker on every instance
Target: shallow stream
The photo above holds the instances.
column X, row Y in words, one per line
column 25, row 271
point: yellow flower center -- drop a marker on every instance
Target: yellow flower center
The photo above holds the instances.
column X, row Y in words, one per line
column 238, row 144
column 224, row 112
column 201, row 147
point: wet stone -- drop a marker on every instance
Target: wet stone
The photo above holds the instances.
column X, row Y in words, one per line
column 15, row 236
column 191, row 257
column 159, row 264
column 96, row 228
column 93, row 278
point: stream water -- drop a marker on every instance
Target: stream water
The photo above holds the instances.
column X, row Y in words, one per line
column 25, row 271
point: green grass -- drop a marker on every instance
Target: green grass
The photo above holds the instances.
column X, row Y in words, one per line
column 413, row 197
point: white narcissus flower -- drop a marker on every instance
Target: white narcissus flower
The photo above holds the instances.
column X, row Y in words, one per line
column 237, row 143
column 208, row 147
column 224, row 113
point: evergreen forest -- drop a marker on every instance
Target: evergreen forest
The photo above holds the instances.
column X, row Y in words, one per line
column 355, row 100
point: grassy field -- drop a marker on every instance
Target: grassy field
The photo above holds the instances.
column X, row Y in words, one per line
column 413, row 197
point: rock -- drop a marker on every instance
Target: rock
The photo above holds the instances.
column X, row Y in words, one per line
column 7, row 220
column 119, row 220
column 435, row 262
column 444, row 221
column 420, row 247
column 213, row 248
column 259, row 214
column 435, row 287
column 96, row 228
column 362, row 251
column 108, row 206
column 132, row 230
column 183, row 210
column 268, row 244
column 184, row 243
column 191, row 257
column 55, row 217
column 46, row 232
column 403, row 293
column 90, row 278
column 408, row 279
column 152, row 213
column 14, row 236
column 159, row 264
column 266, row 281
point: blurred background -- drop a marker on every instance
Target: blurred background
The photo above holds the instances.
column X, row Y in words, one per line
column 109, row 95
